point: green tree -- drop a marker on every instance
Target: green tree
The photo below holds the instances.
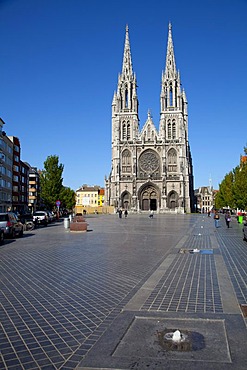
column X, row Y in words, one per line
column 67, row 197
column 240, row 186
column 51, row 181
column 224, row 197
column 233, row 188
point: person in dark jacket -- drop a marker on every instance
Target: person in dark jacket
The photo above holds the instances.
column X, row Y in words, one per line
column 228, row 219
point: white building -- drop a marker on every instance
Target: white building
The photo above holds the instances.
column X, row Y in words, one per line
column 151, row 169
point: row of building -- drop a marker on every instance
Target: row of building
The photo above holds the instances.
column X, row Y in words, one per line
column 92, row 198
column 20, row 184
column 19, row 181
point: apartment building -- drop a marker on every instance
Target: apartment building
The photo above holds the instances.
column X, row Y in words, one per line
column 6, row 170
column 33, row 189
column 19, row 179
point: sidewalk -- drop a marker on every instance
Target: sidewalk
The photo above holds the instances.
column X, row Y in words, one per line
column 102, row 299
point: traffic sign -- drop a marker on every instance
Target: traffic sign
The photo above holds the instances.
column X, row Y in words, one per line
column 58, row 203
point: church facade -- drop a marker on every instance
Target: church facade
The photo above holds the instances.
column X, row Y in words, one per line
column 151, row 168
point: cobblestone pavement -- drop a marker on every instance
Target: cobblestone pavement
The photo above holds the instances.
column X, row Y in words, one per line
column 61, row 293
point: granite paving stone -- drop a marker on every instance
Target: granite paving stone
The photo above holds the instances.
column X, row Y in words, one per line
column 61, row 292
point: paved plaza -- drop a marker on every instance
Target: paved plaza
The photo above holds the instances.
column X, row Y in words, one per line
column 103, row 299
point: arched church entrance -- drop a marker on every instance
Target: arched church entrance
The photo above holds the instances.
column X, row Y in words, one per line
column 126, row 200
column 149, row 198
column 172, row 200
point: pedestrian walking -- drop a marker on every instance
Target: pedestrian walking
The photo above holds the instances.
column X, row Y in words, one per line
column 216, row 219
column 228, row 219
column 120, row 213
column 125, row 213
column 151, row 215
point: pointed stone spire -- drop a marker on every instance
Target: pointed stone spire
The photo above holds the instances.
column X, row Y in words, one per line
column 127, row 70
column 170, row 70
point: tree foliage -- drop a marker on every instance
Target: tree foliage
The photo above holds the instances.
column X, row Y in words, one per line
column 233, row 188
column 51, row 181
column 240, row 187
column 67, row 198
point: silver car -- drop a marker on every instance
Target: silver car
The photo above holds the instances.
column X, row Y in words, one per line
column 11, row 225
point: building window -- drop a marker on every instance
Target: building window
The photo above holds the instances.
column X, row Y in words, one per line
column 126, row 97
column 126, row 161
column 124, row 136
column 174, row 131
column 128, row 131
column 172, row 160
column 169, row 130
column 171, row 96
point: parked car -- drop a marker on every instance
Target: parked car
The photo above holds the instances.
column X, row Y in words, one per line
column 51, row 216
column 11, row 225
column 40, row 218
column 1, row 236
column 245, row 230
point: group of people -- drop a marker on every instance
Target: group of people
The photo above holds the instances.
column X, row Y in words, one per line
column 125, row 212
column 227, row 219
column 120, row 213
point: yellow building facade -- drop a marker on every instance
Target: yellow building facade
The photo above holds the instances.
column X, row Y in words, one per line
column 90, row 199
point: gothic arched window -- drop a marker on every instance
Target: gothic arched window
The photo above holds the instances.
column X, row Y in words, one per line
column 172, row 160
column 126, row 97
column 171, row 96
column 174, row 130
column 124, row 132
column 126, row 161
column 128, row 131
column 169, row 130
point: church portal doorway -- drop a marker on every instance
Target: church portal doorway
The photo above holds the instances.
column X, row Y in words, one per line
column 172, row 200
column 126, row 200
column 149, row 198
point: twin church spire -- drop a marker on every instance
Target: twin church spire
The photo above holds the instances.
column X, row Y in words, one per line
column 126, row 95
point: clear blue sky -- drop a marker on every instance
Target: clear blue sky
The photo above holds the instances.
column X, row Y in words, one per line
column 59, row 64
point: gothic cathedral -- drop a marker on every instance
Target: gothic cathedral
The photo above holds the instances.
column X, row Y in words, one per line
column 151, row 169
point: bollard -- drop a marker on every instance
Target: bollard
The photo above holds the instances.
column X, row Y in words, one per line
column 66, row 223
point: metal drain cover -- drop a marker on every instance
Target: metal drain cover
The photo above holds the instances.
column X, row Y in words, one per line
column 195, row 251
